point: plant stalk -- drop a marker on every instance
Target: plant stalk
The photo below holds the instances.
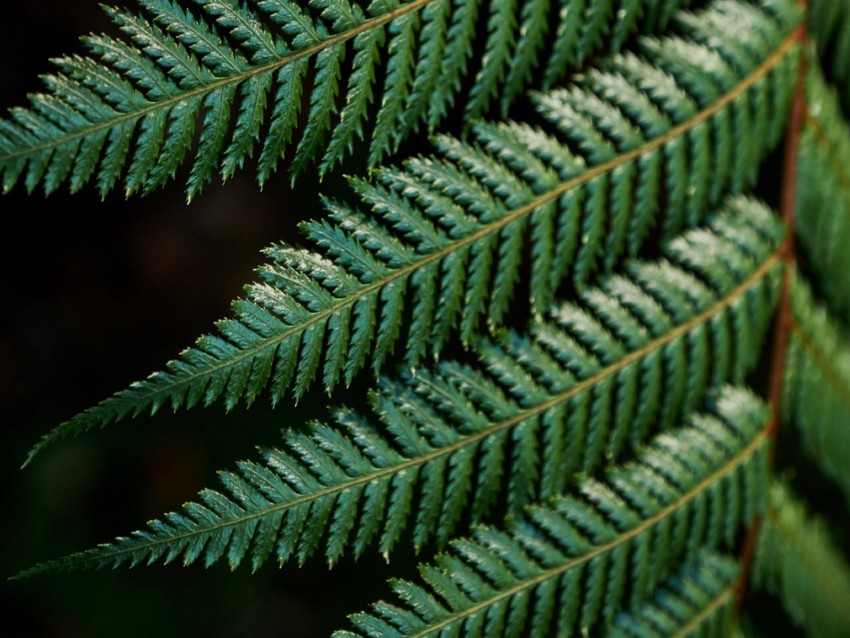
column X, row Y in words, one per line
column 784, row 317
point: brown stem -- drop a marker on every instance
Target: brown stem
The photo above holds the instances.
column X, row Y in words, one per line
column 784, row 316
column 746, row 561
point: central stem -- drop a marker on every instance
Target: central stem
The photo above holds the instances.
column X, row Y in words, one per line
column 784, row 316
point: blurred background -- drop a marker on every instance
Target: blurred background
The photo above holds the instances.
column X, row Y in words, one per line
column 97, row 294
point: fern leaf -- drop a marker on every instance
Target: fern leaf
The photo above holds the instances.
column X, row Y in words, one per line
column 534, row 26
column 449, row 232
column 797, row 560
column 698, row 600
column 823, row 207
column 322, row 105
column 400, row 67
column 537, row 409
column 177, row 66
column 643, row 519
column 816, row 394
column 501, row 30
column 829, row 22
column 579, row 24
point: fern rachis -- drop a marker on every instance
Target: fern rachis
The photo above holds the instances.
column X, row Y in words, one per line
column 586, row 470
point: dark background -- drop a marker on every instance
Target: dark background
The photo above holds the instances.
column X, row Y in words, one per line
column 96, row 294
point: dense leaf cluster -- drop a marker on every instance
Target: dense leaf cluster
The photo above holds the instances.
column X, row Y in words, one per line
column 565, row 565
column 239, row 75
column 639, row 353
column 440, row 242
column 575, row 476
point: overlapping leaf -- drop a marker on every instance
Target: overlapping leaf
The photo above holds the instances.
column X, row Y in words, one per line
column 443, row 244
column 797, row 559
column 698, row 601
column 133, row 105
column 637, row 354
column 565, row 565
column 823, row 207
column 817, row 386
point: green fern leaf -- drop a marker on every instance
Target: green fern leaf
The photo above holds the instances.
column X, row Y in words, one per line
column 797, row 560
column 584, row 24
column 178, row 66
column 823, row 206
column 830, row 25
column 573, row 476
column 449, row 233
column 699, row 600
column 501, row 28
column 642, row 520
column 816, row 394
column 558, row 401
column 534, row 26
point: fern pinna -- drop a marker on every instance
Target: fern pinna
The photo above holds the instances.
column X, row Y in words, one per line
column 448, row 233
column 699, row 599
column 586, row 461
column 567, row 563
column 554, row 402
column 137, row 101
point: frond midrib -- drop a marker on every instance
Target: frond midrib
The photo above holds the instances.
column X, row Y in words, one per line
column 707, row 612
column 529, row 413
column 496, row 226
column 207, row 88
column 715, row 477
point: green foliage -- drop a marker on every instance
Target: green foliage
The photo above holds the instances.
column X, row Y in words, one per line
column 536, row 410
column 441, row 240
column 133, row 104
column 698, row 600
column 546, row 464
column 566, row 564
column 830, row 25
column 817, row 386
column 797, row 559
column 823, row 207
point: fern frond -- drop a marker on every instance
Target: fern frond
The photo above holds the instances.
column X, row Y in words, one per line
column 565, row 564
column 135, row 102
column 638, row 353
column 829, row 22
column 797, row 560
column 816, row 394
column 823, row 207
column 450, row 233
column 698, row 601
